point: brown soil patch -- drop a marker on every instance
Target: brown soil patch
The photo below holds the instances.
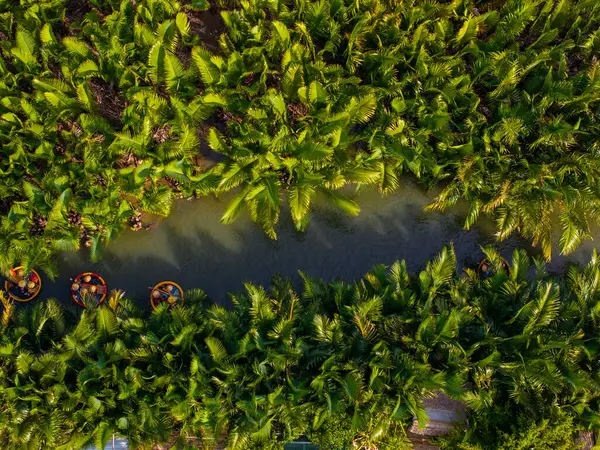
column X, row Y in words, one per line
column 101, row 181
column 174, row 185
column 162, row 134
column 249, row 80
column 69, row 126
column 574, row 64
column 75, row 10
column 63, row 29
column 6, row 203
column 74, row 218
column 207, row 25
column 55, row 70
column 184, row 54
column 483, row 106
column 41, row 165
column 297, row 111
column 225, row 116
column 110, row 105
column 128, row 160
column 493, row 5
column 38, row 226
column 273, row 82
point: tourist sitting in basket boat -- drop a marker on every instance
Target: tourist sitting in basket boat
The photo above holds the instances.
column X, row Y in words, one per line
column 166, row 292
column 88, row 285
column 22, row 286
column 486, row 268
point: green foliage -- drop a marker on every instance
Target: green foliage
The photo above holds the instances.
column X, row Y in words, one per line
column 335, row 433
column 492, row 431
column 113, row 99
column 544, row 436
column 88, row 136
column 347, row 364
column 493, row 97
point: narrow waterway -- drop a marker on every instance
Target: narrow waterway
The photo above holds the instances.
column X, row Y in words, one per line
column 194, row 249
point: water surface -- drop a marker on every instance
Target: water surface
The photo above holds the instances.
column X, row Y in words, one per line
column 194, row 249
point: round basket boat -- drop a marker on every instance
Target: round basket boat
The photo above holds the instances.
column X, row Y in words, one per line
column 23, row 287
column 486, row 270
column 88, row 283
column 166, row 292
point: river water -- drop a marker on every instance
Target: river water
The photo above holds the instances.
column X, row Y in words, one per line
column 194, row 249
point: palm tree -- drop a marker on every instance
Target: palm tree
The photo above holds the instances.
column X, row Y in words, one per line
column 69, row 129
column 282, row 362
column 486, row 107
column 536, row 163
column 297, row 139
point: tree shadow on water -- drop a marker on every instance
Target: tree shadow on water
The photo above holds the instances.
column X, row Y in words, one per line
column 196, row 251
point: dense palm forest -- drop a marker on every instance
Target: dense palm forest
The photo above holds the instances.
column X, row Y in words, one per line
column 347, row 364
column 114, row 108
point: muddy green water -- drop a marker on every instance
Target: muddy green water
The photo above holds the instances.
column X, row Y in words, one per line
column 194, row 249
